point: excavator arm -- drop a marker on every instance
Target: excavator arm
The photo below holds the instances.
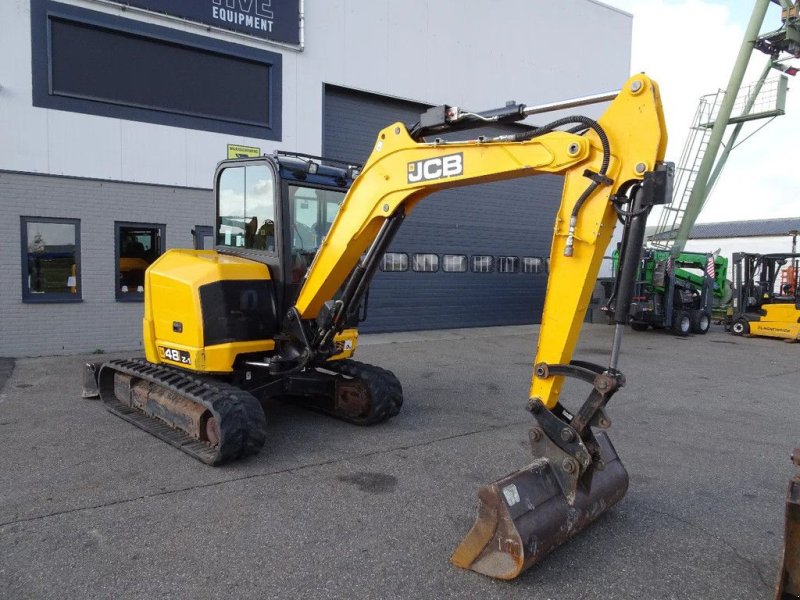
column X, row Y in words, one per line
column 612, row 170
column 629, row 142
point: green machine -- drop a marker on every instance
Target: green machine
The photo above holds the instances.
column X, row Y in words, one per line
column 681, row 294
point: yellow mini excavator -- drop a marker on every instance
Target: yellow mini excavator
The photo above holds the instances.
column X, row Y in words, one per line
column 272, row 312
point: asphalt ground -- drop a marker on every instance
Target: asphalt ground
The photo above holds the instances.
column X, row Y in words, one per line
column 92, row 507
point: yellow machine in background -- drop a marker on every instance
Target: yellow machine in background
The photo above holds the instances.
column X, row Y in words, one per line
column 766, row 301
column 272, row 311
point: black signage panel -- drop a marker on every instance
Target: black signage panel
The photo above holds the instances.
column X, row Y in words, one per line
column 277, row 20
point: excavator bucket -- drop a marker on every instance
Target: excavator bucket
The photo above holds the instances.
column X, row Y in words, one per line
column 789, row 574
column 527, row 514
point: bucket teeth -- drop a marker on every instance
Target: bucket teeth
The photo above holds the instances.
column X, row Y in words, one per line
column 525, row 515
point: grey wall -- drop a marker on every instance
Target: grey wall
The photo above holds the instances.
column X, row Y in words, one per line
column 99, row 321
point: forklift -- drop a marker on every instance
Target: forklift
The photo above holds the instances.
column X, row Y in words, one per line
column 766, row 300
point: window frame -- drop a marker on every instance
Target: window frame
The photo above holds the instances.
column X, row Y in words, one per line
column 57, row 297
column 472, row 263
column 444, row 263
column 201, row 231
column 542, row 270
column 118, row 225
column 383, row 262
column 413, row 261
column 505, row 260
column 44, row 11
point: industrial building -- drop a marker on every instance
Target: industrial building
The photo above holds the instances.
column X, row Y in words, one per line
column 115, row 113
column 762, row 236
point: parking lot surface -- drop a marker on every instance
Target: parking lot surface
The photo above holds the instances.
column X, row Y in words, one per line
column 92, row 507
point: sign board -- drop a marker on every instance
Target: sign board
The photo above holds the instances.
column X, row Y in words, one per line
column 235, row 151
column 276, row 20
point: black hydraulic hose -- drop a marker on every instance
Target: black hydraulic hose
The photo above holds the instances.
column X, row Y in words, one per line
column 597, row 178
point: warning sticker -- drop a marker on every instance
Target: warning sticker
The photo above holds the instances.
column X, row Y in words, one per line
column 235, row 151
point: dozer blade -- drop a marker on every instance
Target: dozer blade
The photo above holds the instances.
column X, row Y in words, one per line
column 525, row 515
column 789, row 575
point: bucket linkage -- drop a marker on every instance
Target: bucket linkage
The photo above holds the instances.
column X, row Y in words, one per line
column 575, row 477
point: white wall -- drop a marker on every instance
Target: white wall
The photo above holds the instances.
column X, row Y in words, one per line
column 727, row 246
column 468, row 52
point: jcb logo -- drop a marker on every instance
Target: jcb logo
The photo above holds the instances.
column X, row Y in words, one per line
column 436, row 168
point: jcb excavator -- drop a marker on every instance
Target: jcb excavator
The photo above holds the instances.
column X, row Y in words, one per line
column 268, row 314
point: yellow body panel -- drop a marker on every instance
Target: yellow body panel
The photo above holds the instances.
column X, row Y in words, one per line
column 634, row 124
column 172, row 286
column 780, row 321
column 346, row 343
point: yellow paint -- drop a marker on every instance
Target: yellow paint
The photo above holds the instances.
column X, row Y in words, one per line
column 172, row 285
column 346, row 342
column 780, row 321
column 634, row 124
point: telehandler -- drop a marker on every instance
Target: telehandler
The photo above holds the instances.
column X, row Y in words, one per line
column 272, row 311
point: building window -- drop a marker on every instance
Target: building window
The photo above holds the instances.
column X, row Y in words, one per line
column 394, row 261
column 203, row 236
column 454, row 263
column 51, row 259
column 90, row 62
column 482, row 264
column 507, row 264
column 138, row 245
column 532, row 264
column 425, row 263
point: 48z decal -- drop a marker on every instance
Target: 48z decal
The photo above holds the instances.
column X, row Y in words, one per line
column 439, row 167
column 172, row 354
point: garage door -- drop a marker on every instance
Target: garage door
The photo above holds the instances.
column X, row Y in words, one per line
column 470, row 257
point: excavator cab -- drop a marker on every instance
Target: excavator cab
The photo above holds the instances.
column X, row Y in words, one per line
column 277, row 210
column 212, row 319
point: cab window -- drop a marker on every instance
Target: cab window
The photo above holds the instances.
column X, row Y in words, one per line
column 246, row 208
column 312, row 212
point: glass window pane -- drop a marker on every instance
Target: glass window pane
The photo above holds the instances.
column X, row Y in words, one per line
column 259, row 208
column 139, row 247
column 230, row 219
column 305, row 213
column 394, row 261
column 507, row 264
column 482, row 264
column 425, row 263
column 532, row 264
column 51, row 258
column 454, row 263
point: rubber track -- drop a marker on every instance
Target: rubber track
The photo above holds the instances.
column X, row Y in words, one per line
column 241, row 420
column 385, row 390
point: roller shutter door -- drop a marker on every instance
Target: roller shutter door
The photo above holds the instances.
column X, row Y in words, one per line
column 502, row 219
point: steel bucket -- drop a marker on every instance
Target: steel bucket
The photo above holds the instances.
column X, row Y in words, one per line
column 526, row 515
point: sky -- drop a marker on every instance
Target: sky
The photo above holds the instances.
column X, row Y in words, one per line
column 689, row 47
